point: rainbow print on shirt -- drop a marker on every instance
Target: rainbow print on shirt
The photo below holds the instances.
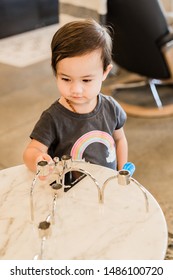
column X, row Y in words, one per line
column 95, row 136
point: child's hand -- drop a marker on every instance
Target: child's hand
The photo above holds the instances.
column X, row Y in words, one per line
column 49, row 167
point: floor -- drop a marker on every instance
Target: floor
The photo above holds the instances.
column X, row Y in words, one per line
column 26, row 90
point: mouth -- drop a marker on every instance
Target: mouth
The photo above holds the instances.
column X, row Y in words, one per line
column 76, row 98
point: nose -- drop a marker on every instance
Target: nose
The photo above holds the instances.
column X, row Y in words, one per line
column 76, row 89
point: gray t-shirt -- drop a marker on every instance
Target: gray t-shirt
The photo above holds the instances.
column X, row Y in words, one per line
column 83, row 136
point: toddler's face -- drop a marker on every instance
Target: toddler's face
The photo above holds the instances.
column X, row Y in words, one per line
column 79, row 78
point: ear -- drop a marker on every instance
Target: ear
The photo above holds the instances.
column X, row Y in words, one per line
column 106, row 72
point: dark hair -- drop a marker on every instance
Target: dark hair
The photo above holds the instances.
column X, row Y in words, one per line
column 81, row 37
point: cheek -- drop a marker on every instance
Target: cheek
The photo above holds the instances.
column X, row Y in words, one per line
column 98, row 85
column 62, row 88
column 94, row 89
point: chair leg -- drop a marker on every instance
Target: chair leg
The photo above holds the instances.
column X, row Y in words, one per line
column 138, row 110
column 155, row 94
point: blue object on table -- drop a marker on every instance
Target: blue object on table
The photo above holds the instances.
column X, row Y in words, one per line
column 130, row 167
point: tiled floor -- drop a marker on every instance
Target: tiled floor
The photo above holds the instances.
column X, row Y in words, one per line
column 26, row 91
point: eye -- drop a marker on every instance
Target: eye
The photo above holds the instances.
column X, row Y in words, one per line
column 87, row 80
column 65, row 79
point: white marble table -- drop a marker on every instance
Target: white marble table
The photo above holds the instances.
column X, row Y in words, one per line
column 120, row 228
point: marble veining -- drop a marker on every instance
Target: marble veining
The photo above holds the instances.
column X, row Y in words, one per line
column 120, row 228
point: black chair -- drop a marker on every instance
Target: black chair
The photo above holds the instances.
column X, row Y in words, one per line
column 142, row 44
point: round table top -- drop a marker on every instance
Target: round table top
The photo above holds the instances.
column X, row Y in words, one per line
column 122, row 227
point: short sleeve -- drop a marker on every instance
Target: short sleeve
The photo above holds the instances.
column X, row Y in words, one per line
column 121, row 116
column 119, row 113
column 44, row 130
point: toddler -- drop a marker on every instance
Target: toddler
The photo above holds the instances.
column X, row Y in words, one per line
column 83, row 122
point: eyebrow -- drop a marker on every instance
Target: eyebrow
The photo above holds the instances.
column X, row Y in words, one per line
column 83, row 77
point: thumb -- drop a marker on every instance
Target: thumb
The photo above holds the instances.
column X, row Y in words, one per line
column 44, row 162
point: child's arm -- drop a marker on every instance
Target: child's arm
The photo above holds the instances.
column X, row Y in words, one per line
column 35, row 152
column 121, row 147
